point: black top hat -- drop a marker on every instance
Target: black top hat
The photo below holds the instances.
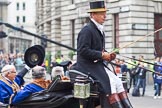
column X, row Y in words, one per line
column 97, row 6
column 34, row 56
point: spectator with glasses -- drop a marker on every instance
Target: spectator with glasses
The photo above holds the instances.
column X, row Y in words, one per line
column 10, row 81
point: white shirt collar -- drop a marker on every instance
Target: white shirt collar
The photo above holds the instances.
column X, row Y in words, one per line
column 99, row 26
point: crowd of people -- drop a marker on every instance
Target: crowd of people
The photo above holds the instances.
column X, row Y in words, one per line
column 136, row 70
column 12, row 59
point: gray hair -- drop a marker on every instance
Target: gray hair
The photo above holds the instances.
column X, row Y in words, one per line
column 58, row 70
column 7, row 69
column 38, row 72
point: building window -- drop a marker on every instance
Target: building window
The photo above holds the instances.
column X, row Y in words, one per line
column 116, row 30
column 24, row 6
column 158, row 35
column 17, row 19
column 17, row 6
column 18, row 45
column 73, row 33
column 24, row 19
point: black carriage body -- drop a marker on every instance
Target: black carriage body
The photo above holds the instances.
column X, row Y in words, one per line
column 58, row 95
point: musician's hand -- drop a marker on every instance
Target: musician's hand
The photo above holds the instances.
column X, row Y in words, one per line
column 108, row 56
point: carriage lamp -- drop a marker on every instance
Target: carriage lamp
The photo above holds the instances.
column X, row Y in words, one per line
column 81, row 88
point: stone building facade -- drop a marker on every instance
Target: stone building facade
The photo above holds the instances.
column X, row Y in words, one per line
column 3, row 17
column 24, row 18
column 18, row 13
column 127, row 21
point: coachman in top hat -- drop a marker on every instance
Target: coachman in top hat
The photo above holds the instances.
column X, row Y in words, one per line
column 91, row 57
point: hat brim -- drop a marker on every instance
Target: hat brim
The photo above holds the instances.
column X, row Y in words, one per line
column 97, row 10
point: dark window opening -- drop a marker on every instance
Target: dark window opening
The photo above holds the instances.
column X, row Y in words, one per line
column 24, row 6
column 158, row 35
column 73, row 32
column 17, row 19
column 24, row 19
column 116, row 30
column 17, row 6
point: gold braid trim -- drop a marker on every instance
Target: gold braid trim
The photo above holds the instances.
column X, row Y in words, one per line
column 15, row 87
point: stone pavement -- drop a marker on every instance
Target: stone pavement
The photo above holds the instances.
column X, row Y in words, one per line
column 146, row 101
column 149, row 90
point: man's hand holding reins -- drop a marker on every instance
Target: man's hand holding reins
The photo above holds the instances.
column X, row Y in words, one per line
column 108, row 56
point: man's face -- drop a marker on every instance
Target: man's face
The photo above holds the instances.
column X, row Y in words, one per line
column 11, row 76
column 99, row 17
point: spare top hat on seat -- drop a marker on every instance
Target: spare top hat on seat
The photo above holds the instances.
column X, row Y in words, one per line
column 97, row 6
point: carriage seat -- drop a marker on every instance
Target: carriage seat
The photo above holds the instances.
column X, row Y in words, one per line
column 93, row 82
column 74, row 73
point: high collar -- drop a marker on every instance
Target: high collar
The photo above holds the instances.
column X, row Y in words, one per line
column 99, row 26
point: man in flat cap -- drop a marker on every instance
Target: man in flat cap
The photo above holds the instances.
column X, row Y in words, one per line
column 91, row 55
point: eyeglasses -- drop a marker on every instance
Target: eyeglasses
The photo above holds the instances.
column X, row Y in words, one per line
column 13, row 72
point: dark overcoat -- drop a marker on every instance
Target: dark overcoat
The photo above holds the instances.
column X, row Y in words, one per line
column 90, row 44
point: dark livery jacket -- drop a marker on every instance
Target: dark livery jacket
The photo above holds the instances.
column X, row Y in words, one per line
column 90, row 44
